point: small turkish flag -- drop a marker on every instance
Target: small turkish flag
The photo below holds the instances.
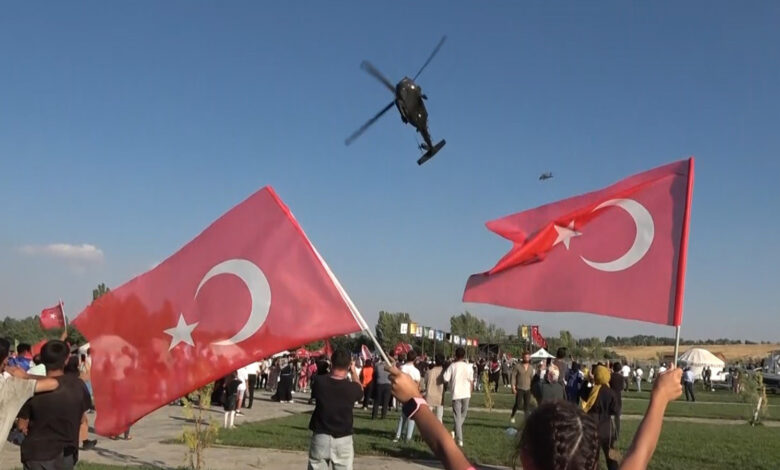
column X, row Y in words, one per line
column 52, row 317
column 249, row 286
column 619, row 251
column 365, row 353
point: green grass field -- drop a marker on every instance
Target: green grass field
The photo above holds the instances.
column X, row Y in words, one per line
column 682, row 445
column 721, row 405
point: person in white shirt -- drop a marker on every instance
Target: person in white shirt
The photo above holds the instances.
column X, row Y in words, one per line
column 243, row 376
column 650, row 374
column 412, row 371
column 638, row 374
column 460, row 376
column 626, row 373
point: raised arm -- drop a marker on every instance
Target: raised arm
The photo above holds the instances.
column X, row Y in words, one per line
column 666, row 388
column 433, row 432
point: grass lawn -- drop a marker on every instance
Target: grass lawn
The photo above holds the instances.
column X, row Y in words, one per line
column 682, row 445
column 680, row 408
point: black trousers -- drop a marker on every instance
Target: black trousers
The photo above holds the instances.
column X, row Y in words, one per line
column 616, row 418
column 689, row 391
column 368, row 394
column 494, row 380
column 504, row 378
column 263, row 380
column 525, row 396
column 611, row 464
column 381, row 398
column 250, row 390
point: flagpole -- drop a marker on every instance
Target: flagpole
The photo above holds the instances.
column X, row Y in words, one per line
column 683, row 260
column 351, row 305
column 64, row 317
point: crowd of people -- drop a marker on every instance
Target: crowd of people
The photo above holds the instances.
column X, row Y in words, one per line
column 571, row 413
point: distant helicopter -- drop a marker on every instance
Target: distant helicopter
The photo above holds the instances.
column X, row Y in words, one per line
column 545, row 176
column 409, row 101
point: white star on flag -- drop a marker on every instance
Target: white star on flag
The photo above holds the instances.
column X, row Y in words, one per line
column 181, row 333
column 565, row 234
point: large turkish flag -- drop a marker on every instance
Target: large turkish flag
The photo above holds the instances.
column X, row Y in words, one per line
column 619, row 251
column 247, row 287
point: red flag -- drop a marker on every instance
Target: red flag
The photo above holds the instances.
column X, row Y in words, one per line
column 52, row 317
column 247, row 287
column 365, row 353
column 619, row 251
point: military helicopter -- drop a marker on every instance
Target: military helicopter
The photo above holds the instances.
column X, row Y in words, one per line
column 545, row 176
column 409, row 101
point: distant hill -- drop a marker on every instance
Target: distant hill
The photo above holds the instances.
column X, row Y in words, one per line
column 732, row 352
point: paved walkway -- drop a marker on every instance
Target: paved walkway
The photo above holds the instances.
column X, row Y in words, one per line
column 168, row 422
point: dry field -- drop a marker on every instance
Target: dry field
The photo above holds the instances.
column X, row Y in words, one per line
column 732, row 352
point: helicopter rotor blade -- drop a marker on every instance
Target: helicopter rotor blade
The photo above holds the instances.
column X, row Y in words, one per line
column 373, row 71
column 435, row 51
column 368, row 124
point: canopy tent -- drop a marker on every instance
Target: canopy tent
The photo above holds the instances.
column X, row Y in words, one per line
column 697, row 359
column 541, row 354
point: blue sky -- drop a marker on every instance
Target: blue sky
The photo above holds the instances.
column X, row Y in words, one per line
column 129, row 127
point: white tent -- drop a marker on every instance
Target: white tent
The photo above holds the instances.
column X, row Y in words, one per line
column 697, row 359
column 541, row 354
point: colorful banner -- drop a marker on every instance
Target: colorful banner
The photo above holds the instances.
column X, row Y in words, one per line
column 404, row 328
column 419, row 331
column 413, row 329
column 431, row 333
column 524, row 332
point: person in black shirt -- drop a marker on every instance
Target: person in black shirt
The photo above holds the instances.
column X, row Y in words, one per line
column 331, row 422
column 616, row 383
column 51, row 421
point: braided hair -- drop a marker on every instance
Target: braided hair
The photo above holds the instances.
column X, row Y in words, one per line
column 559, row 436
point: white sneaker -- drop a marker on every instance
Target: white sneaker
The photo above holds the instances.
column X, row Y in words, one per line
column 453, row 434
column 460, row 443
column 512, row 420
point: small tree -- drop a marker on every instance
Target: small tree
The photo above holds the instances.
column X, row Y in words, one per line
column 485, row 379
column 204, row 433
column 753, row 391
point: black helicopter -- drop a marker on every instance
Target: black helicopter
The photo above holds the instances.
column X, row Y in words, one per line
column 545, row 176
column 409, row 101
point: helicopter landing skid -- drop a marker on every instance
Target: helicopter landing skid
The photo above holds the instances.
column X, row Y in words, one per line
column 431, row 152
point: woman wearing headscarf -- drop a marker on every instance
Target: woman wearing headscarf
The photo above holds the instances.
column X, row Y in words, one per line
column 600, row 403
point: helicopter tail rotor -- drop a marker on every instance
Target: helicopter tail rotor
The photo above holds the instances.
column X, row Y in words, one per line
column 430, row 58
column 368, row 124
column 373, row 71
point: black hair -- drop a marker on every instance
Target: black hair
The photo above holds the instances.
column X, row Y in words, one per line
column 460, row 353
column 439, row 359
column 22, row 348
column 616, row 367
column 72, row 365
column 54, row 354
column 411, row 356
column 340, row 359
column 560, row 353
column 402, row 358
column 5, row 349
column 560, row 436
column 368, row 363
column 37, row 359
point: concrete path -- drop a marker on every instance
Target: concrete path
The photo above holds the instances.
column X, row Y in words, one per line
column 168, row 422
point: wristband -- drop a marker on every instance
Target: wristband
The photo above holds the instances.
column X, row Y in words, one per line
column 411, row 407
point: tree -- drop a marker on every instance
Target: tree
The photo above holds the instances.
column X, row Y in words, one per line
column 100, row 291
column 388, row 328
column 468, row 325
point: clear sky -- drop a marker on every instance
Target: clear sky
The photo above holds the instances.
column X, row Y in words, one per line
column 131, row 126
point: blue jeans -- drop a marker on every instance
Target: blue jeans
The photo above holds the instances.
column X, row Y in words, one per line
column 324, row 450
column 403, row 420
